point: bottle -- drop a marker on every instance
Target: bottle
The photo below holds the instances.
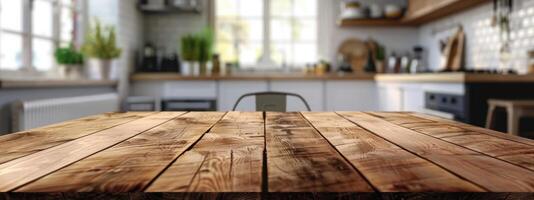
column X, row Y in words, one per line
column 216, row 62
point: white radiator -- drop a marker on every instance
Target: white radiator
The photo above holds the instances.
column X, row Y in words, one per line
column 32, row 114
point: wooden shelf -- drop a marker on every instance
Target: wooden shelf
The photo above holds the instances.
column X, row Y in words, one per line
column 372, row 22
column 425, row 15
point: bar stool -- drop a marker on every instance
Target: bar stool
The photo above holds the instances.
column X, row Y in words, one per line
column 516, row 109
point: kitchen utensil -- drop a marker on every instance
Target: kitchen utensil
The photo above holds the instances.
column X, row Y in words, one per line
column 376, row 11
column 453, row 55
column 352, row 10
column 356, row 52
column 393, row 11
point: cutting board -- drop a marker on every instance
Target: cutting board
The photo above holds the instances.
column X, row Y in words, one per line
column 453, row 54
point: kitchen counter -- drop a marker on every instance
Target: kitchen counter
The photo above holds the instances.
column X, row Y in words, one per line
column 424, row 78
column 251, row 77
column 52, row 83
column 455, row 78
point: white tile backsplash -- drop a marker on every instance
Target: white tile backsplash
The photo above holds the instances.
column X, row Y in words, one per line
column 483, row 40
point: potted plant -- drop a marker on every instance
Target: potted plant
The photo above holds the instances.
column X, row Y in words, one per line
column 70, row 61
column 205, row 40
column 197, row 50
column 189, row 55
column 101, row 48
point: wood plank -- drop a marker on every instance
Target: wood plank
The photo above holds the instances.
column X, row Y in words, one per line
column 388, row 167
column 490, row 173
column 299, row 159
column 17, row 145
column 475, row 129
column 507, row 150
column 131, row 165
column 21, row 171
column 227, row 159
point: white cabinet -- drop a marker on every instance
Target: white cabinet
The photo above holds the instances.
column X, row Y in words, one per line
column 351, row 96
column 176, row 89
column 230, row 91
column 413, row 98
column 390, row 98
column 312, row 91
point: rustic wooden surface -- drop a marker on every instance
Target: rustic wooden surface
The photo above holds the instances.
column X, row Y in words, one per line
column 197, row 153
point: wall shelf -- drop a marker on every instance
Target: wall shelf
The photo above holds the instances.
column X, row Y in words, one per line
column 421, row 15
column 372, row 22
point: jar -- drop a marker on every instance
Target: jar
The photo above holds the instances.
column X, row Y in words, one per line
column 531, row 62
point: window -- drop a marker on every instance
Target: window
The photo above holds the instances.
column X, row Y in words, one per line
column 30, row 30
column 267, row 33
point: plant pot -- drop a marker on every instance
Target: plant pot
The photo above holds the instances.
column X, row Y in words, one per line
column 99, row 69
column 194, row 68
column 70, row 71
column 185, row 68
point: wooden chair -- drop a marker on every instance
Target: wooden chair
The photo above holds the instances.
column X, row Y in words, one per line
column 516, row 109
column 271, row 101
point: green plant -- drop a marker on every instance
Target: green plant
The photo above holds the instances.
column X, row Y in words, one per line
column 189, row 49
column 199, row 46
column 68, row 56
column 101, row 42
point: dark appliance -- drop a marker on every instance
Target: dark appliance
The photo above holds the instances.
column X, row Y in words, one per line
column 189, row 105
column 447, row 103
column 472, row 107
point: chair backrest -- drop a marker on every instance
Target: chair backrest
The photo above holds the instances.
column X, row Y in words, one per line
column 271, row 101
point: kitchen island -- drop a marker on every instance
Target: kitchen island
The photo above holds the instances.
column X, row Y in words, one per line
column 265, row 152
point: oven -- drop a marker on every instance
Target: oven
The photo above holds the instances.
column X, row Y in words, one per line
column 451, row 106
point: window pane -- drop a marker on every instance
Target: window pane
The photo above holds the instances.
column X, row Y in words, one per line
column 305, row 53
column 43, row 54
column 281, row 30
column 251, row 8
column 249, row 30
column 281, row 8
column 227, row 8
column 67, row 24
column 42, row 18
column 249, row 54
column 228, row 51
column 11, row 15
column 282, row 53
column 10, row 51
column 68, row 2
column 305, row 8
column 305, row 30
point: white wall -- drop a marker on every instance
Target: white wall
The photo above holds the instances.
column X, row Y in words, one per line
column 128, row 21
column 483, row 43
column 165, row 30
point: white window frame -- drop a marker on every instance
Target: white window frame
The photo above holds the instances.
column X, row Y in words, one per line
column 27, row 34
column 266, row 61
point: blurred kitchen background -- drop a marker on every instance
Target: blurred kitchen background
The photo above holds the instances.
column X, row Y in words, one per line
column 72, row 58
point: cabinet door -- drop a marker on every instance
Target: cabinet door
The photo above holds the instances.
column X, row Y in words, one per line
column 413, row 99
column 230, row 91
column 351, row 96
column 312, row 91
column 390, row 98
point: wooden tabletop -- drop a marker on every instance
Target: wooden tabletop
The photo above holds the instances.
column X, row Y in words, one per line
column 265, row 152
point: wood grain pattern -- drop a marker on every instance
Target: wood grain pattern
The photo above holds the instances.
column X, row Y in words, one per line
column 21, row 171
column 227, row 159
column 490, row 173
column 475, row 129
column 513, row 152
column 388, row 167
column 17, row 145
column 299, row 159
column 202, row 152
column 144, row 155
